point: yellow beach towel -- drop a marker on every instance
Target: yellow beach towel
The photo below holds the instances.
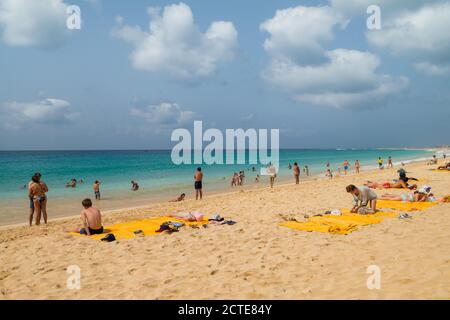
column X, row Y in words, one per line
column 404, row 206
column 343, row 224
column 123, row 231
column 330, row 227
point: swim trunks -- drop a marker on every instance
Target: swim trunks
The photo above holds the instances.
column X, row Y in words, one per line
column 198, row 185
column 91, row 231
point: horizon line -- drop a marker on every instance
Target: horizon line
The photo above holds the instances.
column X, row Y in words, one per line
column 287, row 148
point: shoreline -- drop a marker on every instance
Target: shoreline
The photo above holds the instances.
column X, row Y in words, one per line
column 158, row 200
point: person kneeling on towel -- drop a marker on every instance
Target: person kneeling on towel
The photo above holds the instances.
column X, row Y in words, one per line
column 362, row 196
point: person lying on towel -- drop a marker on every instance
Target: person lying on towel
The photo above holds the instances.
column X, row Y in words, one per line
column 362, row 196
column 446, row 167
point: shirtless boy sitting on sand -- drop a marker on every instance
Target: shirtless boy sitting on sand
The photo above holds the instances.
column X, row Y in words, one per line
column 92, row 219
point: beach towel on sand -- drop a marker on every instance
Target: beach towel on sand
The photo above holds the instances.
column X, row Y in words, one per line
column 343, row 224
column 123, row 231
column 404, row 206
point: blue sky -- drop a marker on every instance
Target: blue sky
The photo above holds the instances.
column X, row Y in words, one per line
column 310, row 68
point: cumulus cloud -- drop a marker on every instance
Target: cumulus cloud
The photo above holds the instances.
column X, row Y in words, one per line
column 342, row 78
column 299, row 33
column 48, row 111
column 33, row 23
column 174, row 44
column 420, row 34
column 163, row 115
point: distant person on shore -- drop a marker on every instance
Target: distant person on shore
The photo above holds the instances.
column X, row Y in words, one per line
column 198, row 178
column 257, row 178
column 289, row 166
column 134, row 186
column 445, row 167
column 434, row 160
column 390, row 164
column 380, row 163
column 329, row 174
column 234, row 180
column 179, row 199
column 272, row 172
column 306, row 171
column 38, row 199
column 241, row 177
column 96, row 187
column 296, row 170
column 91, row 219
column 32, row 208
column 328, row 165
column 362, row 196
column 345, row 165
column 357, row 166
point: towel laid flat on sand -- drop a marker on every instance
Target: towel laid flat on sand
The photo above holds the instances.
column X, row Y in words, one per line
column 343, row 224
column 123, row 231
column 404, row 206
column 349, row 222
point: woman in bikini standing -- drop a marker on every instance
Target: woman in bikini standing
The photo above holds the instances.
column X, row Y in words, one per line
column 37, row 194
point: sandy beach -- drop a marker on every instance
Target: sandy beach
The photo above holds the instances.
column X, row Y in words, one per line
column 253, row 259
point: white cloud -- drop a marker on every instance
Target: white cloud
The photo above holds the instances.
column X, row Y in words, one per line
column 295, row 33
column 164, row 115
column 432, row 69
column 422, row 35
column 48, row 111
column 33, row 23
column 342, row 78
column 173, row 43
column 348, row 79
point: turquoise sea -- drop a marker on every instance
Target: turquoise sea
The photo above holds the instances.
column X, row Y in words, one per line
column 153, row 170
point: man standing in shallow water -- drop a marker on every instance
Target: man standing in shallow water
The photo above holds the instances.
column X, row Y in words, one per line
column 198, row 177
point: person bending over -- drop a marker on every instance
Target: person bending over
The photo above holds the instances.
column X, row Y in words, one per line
column 363, row 196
